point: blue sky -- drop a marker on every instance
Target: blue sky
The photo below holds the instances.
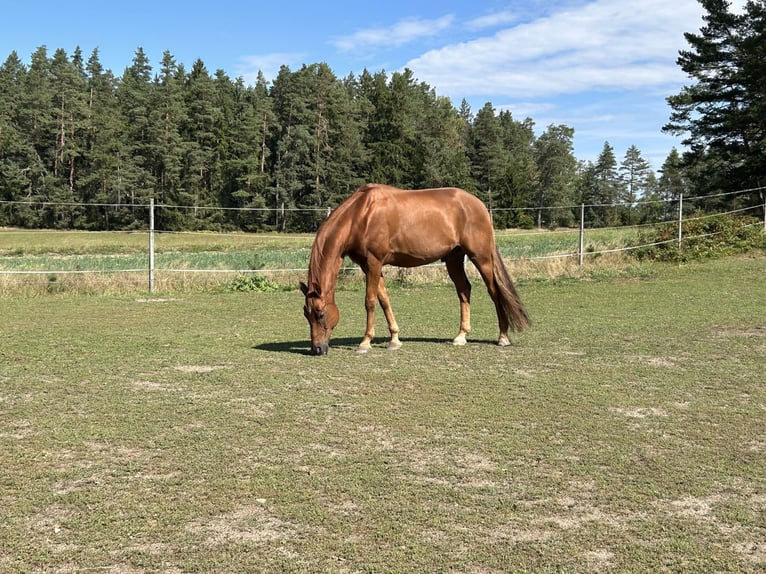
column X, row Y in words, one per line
column 602, row 67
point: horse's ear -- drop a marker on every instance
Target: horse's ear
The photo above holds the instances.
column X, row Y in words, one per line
column 307, row 293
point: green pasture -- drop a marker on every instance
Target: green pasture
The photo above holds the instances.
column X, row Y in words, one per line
column 624, row 432
column 41, row 262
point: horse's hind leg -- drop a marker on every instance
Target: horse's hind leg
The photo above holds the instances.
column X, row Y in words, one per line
column 487, row 273
column 456, row 268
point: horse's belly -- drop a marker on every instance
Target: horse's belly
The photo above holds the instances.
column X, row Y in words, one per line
column 410, row 260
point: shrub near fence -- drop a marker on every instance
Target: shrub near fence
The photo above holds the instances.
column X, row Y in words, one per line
column 705, row 236
column 225, row 260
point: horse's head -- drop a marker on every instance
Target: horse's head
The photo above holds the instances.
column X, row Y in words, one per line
column 322, row 317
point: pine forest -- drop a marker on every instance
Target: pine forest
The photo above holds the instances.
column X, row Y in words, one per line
column 80, row 146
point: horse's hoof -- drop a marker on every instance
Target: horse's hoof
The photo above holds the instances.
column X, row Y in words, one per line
column 394, row 345
column 362, row 349
column 459, row 341
column 503, row 341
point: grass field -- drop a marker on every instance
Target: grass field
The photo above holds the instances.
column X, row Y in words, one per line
column 43, row 262
column 192, row 433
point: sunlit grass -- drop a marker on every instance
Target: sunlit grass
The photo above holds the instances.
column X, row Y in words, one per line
column 193, row 433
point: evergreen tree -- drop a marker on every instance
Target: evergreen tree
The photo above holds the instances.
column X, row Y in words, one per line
column 259, row 123
column 295, row 167
column 167, row 118
column 135, row 181
column 608, row 187
column 652, row 209
column 487, row 155
column 15, row 148
column 586, row 193
column 201, row 182
column 556, row 167
column 635, row 173
column 445, row 161
column 673, row 182
column 99, row 177
column 70, row 108
column 36, row 121
column 722, row 111
column 521, row 176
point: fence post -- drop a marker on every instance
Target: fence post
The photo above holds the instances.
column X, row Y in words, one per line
column 580, row 251
column 680, row 219
column 151, row 245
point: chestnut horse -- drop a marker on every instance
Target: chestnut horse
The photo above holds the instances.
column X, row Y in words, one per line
column 380, row 225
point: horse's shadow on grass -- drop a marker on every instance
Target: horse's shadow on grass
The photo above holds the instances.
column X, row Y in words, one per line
column 346, row 344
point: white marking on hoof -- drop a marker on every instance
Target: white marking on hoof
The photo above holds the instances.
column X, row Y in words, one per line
column 503, row 341
column 459, row 341
column 394, row 345
column 362, row 349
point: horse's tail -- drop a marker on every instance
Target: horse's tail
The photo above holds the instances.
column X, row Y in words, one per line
column 518, row 320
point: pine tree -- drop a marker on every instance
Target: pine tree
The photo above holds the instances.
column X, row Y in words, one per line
column 445, row 161
column 135, row 182
column 722, row 112
column 673, row 182
column 70, row 107
column 607, row 187
column 99, row 176
column 556, row 167
column 487, row 155
column 521, row 176
column 167, row 118
column 15, row 148
column 36, row 121
column 634, row 174
column 201, row 177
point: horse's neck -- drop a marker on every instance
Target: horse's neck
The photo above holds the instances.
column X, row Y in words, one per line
column 326, row 260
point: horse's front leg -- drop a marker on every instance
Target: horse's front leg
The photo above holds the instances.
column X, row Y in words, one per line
column 385, row 304
column 373, row 280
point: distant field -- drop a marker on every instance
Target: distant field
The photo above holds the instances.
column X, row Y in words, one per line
column 118, row 261
column 193, row 433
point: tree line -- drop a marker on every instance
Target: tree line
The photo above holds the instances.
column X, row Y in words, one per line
column 80, row 146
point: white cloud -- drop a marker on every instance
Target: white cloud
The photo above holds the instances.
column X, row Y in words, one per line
column 605, row 44
column 493, row 20
column 399, row 34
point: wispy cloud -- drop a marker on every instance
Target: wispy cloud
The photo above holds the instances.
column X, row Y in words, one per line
column 601, row 45
column 493, row 20
column 399, row 34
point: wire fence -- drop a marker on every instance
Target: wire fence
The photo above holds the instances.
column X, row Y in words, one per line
column 144, row 260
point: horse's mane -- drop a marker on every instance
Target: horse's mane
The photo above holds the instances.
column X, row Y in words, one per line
column 329, row 229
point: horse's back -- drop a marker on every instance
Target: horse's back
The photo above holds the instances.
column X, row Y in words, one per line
column 419, row 202
column 413, row 227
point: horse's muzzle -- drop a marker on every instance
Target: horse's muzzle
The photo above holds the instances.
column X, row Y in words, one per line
column 320, row 349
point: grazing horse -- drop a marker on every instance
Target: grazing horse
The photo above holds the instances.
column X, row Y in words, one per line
column 379, row 225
